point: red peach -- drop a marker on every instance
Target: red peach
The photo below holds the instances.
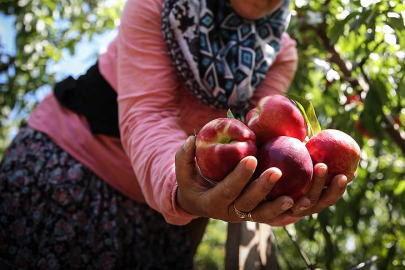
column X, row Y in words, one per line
column 338, row 150
column 292, row 158
column 276, row 115
column 220, row 145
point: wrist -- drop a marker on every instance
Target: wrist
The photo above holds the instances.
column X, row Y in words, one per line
column 181, row 201
column 178, row 209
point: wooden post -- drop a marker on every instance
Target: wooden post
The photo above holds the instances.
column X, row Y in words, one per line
column 249, row 246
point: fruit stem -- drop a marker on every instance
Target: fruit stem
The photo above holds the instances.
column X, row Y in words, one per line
column 225, row 140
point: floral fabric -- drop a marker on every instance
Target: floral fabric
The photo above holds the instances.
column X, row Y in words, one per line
column 57, row 214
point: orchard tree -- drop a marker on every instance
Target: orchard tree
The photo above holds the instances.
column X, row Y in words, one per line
column 351, row 56
column 45, row 30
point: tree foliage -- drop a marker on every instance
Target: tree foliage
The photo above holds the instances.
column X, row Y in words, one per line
column 351, row 68
column 45, row 31
column 351, row 56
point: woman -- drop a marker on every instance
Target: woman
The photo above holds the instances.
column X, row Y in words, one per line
column 80, row 188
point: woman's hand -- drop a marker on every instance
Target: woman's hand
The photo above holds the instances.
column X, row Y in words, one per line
column 255, row 9
column 318, row 197
column 198, row 197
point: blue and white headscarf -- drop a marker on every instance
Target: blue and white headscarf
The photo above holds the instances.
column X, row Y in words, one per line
column 221, row 56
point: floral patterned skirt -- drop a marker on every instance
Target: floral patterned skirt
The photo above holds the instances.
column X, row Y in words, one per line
column 57, row 214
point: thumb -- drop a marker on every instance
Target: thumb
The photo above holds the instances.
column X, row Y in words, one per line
column 184, row 162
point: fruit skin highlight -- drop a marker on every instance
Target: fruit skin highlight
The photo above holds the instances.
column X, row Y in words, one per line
column 276, row 115
column 220, row 145
column 292, row 158
column 338, row 150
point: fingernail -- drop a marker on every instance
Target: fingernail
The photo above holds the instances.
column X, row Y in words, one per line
column 286, row 206
column 187, row 144
column 322, row 171
column 302, row 208
column 250, row 163
column 342, row 181
column 274, row 177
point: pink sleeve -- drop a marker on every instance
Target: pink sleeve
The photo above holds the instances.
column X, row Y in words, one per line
column 281, row 73
column 148, row 103
column 148, row 111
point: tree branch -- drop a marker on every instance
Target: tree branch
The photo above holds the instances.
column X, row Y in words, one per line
column 300, row 250
column 282, row 254
column 364, row 264
column 395, row 134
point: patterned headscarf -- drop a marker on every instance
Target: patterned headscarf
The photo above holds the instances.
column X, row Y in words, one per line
column 221, row 56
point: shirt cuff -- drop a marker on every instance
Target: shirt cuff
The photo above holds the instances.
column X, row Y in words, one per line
column 184, row 217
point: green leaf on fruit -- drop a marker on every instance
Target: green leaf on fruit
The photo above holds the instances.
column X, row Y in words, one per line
column 229, row 114
column 308, row 112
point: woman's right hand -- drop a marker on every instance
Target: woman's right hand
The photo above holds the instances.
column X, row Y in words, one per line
column 198, row 197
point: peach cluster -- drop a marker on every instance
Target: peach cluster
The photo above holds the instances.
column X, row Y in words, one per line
column 276, row 133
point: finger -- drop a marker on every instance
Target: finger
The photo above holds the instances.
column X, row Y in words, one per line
column 330, row 195
column 273, row 210
column 300, row 205
column 318, row 183
column 284, row 222
column 257, row 190
column 184, row 161
column 311, row 198
column 226, row 191
column 186, row 176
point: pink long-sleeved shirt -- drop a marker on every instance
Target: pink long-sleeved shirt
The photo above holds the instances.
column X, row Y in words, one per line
column 156, row 112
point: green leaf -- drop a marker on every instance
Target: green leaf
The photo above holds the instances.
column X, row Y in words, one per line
column 366, row 16
column 400, row 188
column 50, row 4
column 370, row 117
column 308, row 112
column 378, row 85
column 229, row 114
column 401, row 90
column 336, row 32
column 396, row 23
column 338, row 28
